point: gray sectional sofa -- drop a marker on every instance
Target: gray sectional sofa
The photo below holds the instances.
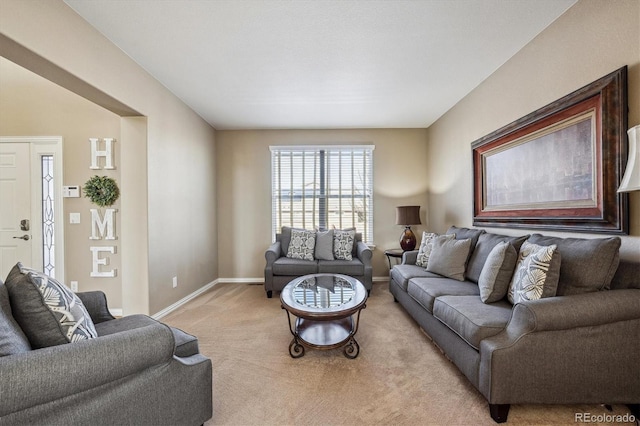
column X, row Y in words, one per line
column 280, row 269
column 580, row 346
column 132, row 371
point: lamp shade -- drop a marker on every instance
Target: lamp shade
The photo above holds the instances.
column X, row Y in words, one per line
column 631, row 178
column 408, row 215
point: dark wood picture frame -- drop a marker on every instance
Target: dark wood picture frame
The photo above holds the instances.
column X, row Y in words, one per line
column 559, row 167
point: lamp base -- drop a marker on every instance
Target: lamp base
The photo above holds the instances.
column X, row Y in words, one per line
column 407, row 239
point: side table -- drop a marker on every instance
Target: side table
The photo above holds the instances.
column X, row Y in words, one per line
column 395, row 253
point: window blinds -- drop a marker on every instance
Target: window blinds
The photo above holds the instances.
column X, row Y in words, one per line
column 322, row 187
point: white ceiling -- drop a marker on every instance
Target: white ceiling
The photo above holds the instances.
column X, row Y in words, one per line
column 260, row 64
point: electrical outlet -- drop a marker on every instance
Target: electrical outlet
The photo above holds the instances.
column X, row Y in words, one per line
column 74, row 285
column 175, row 282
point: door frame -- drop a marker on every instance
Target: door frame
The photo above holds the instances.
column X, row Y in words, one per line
column 39, row 146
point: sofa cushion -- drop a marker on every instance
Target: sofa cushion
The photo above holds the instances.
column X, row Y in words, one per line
column 486, row 242
column 497, row 271
column 324, row 245
column 536, row 274
column 185, row 344
column 627, row 275
column 12, row 339
column 401, row 274
column 356, row 239
column 353, row 267
column 587, row 264
column 471, row 319
column 294, row 267
column 48, row 312
column 464, row 233
column 343, row 242
column 285, row 238
column 426, row 290
column 449, row 257
column 302, row 244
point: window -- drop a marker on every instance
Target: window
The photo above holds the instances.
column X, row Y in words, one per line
column 323, row 187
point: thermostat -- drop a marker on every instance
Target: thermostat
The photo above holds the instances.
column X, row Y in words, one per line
column 71, row 191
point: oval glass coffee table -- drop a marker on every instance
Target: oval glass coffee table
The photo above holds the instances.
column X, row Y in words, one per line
column 324, row 306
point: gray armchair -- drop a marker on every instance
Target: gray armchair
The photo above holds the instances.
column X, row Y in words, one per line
column 280, row 270
column 138, row 371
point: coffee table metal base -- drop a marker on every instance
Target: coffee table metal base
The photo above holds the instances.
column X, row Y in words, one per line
column 330, row 334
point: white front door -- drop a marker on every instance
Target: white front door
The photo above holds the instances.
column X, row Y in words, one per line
column 16, row 225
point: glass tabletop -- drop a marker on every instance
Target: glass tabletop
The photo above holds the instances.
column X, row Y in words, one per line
column 323, row 291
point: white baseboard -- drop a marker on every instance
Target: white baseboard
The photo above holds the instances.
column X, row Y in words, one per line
column 242, row 280
column 166, row 311
column 116, row 312
column 169, row 309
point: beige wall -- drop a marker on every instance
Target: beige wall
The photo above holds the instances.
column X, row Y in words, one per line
column 244, row 185
column 180, row 230
column 33, row 106
column 590, row 40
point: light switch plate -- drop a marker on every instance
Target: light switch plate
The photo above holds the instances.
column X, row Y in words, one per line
column 74, row 217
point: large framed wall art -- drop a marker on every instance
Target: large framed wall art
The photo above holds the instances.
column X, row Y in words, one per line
column 559, row 167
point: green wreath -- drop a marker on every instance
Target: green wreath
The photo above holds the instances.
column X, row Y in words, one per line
column 101, row 190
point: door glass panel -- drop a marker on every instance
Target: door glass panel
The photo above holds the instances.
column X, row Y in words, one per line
column 48, row 243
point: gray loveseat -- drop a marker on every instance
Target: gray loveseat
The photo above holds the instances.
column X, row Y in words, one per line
column 138, row 371
column 280, row 269
column 581, row 346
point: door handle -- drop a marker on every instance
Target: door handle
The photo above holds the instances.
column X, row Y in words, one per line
column 24, row 237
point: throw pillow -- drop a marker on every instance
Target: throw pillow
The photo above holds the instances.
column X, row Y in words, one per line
column 48, row 312
column 425, row 248
column 324, row 245
column 449, row 257
column 343, row 244
column 497, row 271
column 537, row 273
column 12, row 339
column 302, row 244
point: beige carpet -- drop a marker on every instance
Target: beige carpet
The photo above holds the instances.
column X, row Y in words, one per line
column 399, row 378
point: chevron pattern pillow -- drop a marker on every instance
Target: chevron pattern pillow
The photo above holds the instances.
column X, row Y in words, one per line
column 48, row 312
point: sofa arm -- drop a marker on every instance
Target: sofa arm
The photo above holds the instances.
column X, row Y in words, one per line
column 364, row 253
column 409, row 257
column 96, row 304
column 273, row 253
column 52, row 373
column 567, row 312
column 564, row 350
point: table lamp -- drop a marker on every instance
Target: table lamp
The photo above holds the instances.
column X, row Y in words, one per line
column 407, row 216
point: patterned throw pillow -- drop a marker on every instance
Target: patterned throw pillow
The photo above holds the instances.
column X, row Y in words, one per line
column 48, row 312
column 426, row 245
column 302, row 244
column 343, row 244
column 425, row 248
column 497, row 271
column 535, row 276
